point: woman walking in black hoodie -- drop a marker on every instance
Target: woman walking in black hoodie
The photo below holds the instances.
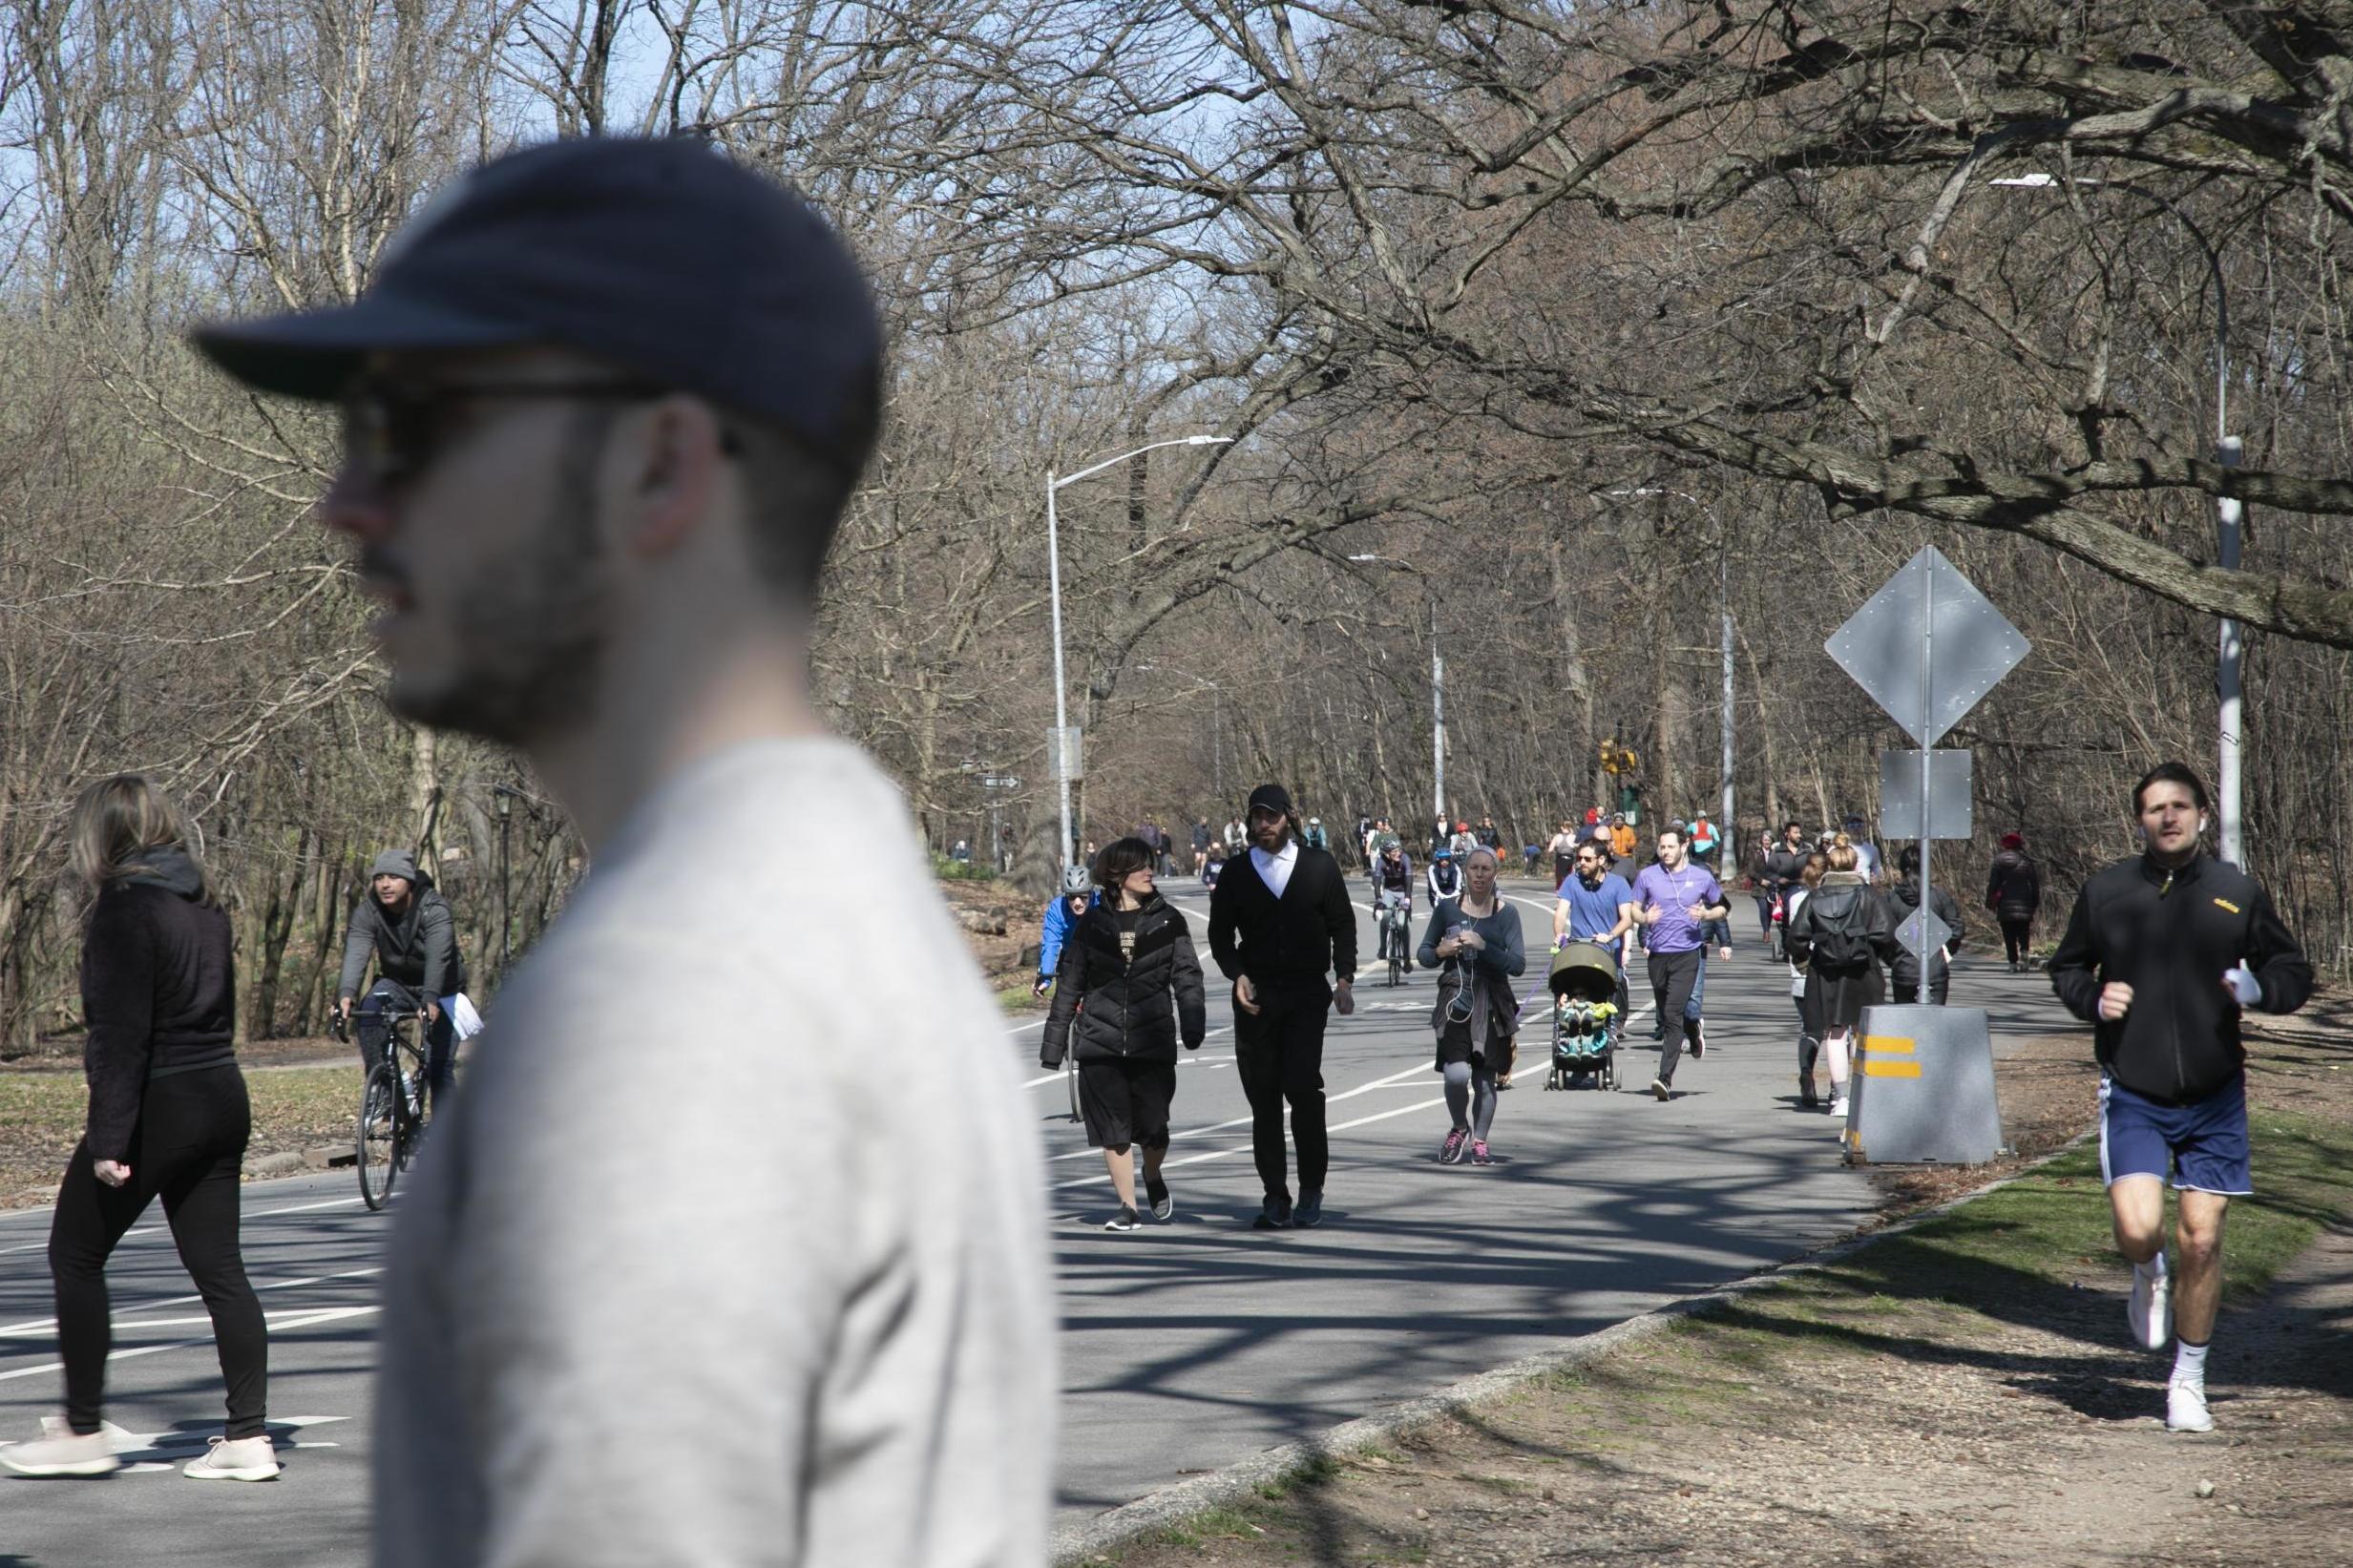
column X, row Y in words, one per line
column 1129, row 975
column 168, row 1119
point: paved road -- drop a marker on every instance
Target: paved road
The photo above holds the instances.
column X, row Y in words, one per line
column 1186, row 1346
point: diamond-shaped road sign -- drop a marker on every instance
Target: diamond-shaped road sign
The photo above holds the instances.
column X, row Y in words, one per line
column 1927, row 646
column 1923, row 932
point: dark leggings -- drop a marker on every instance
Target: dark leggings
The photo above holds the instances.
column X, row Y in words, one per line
column 186, row 1150
column 2014, row 929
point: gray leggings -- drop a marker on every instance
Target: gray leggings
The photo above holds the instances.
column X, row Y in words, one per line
column 1473, row 1091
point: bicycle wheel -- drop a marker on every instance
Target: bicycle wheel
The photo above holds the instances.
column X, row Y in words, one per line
column 1070, row 1075
column 382, row 1126
column 1396, row 960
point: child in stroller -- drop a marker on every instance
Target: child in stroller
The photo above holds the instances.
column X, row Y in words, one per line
column 1585, row 1018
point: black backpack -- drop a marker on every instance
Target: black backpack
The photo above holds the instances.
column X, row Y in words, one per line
column 1841, row 922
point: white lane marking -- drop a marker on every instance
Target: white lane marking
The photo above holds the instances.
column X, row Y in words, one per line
column 1244, row 1121
column 30, row 1324
column 306, row 1319
column 250, row 1216
column 1245, row 1148
column 1056, row 1076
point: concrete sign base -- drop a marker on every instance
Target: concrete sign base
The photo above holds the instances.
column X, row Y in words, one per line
column 1922, row 1088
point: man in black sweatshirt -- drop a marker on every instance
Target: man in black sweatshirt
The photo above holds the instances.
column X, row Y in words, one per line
column 2162, row 954
column 1277, row 925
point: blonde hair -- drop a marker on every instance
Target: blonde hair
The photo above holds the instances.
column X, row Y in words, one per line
column 116, row 823
column 1842, row 855
column 1810, row 873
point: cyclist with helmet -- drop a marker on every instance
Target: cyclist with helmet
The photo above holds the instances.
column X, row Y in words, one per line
column 1445, row 877
column 1077, row 898
column 1393, row 886
column 1315, row 837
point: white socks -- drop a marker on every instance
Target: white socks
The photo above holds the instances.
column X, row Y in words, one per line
column 2190, row 1362
column 2153, row 1269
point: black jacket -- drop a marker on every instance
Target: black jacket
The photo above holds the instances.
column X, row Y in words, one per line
column 2170, row 937
column 1784, row 866
column 1123, row 1004
column 1826, row 907
column 2014, row 887
column 1903, row 970
column 1294, row 942
column 159, row 993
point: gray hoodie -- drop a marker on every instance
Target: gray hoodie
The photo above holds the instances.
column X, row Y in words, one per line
column 417, row 949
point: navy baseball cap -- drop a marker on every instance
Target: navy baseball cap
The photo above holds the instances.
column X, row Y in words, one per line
column 661, row 257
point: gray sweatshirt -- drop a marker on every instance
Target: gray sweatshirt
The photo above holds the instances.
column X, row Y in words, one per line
column 673, row 1286
column 418, row 949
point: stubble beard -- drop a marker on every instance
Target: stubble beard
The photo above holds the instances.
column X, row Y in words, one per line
column 529, row 629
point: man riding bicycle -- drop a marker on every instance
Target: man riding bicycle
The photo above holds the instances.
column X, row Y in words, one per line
column 1393, row 888
column 406, row 924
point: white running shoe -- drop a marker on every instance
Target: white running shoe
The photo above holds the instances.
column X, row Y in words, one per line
column 245, row 1459
column 2150, row 1311
column 59, row 1450
column 2185, row 1407
column 1837, row 1106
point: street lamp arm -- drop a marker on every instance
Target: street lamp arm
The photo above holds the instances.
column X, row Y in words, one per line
column 1114, row 462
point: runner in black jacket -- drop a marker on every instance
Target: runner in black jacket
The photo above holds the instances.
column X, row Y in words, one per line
column 2161, row 953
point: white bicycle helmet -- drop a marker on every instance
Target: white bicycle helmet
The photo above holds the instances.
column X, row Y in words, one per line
column 1076, row 880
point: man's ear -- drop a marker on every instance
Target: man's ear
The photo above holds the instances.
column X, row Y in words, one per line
column 677, row 457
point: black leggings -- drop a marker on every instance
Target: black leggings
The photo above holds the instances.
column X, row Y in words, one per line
column 2014, row 931
column 186, row 1150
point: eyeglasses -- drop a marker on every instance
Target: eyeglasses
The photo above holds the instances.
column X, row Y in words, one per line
column 392, row 429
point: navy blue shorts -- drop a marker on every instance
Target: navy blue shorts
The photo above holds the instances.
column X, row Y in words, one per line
column 2202, row 1146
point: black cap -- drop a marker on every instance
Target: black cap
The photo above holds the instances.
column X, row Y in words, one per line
column 1271, row 798
column 661, row 257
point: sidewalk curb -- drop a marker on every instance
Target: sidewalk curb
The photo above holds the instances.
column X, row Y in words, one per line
column 1126, row 1525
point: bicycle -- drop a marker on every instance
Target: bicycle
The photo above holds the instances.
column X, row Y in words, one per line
column 1397, row 921
column 392, row 1104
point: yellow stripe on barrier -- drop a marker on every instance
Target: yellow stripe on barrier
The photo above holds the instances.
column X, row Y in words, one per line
column 1891, row 1045
column 1891, row 1068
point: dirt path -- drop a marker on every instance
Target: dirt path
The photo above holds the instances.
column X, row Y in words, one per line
column 1957, row 1396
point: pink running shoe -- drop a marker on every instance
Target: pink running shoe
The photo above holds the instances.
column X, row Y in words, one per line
column 1478, row 1154
column 1450, row 1152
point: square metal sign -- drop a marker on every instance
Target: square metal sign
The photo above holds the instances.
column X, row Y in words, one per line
column 1927, row 646
column 1950, row 815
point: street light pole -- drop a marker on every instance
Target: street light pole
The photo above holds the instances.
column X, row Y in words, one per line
column 1438, row 714
column 1726, row 833
column 1060, row 751
column 2229, row 691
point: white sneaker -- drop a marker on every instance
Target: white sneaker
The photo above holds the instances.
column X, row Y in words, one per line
column 246, row 1459
column 2150, row 1311
column 2185, row 1407
column 59, row 1450
column 1837, row 1106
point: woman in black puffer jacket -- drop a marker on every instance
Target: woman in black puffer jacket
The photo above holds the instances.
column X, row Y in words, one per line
column 1130, row 976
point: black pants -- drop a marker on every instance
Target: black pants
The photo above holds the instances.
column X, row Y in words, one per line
column 1280, row 1053
column 186, row 1150
column 2014, row 932
column 1906, row 990
column 374, row 1034
column 1673, row 974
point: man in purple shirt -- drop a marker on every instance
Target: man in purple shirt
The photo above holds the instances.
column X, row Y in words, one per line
column 1674, row 902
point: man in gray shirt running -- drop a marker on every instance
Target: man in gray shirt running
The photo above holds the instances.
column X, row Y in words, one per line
column 670, row 1287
